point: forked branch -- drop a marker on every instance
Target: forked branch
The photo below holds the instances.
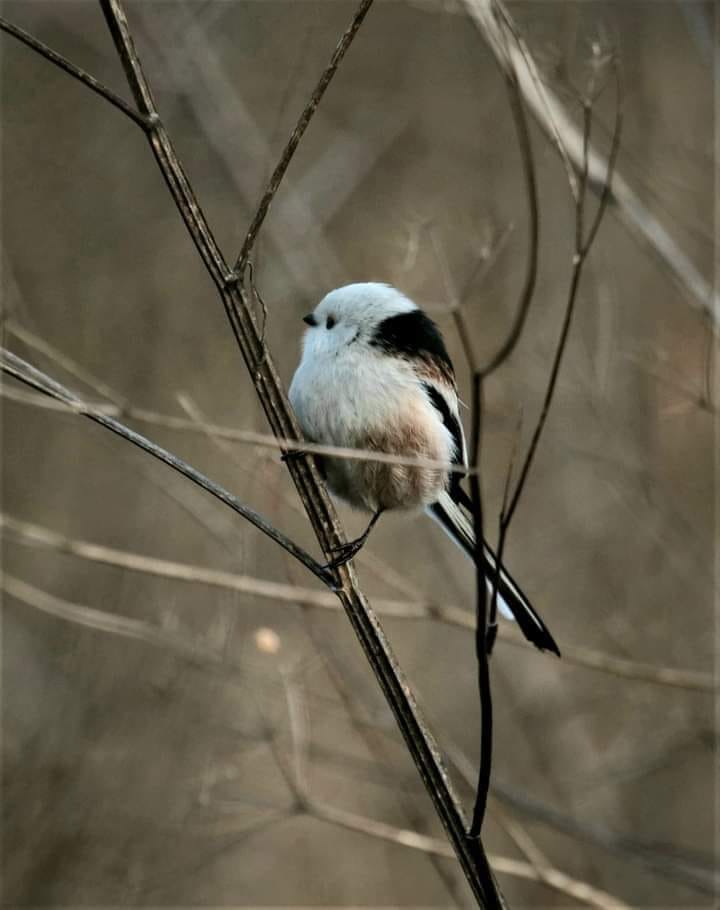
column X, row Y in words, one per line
column 305, row 476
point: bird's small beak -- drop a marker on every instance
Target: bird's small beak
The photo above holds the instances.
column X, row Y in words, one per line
column 310, row 320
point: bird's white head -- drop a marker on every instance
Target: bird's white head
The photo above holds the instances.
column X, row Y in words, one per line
column 351, row 315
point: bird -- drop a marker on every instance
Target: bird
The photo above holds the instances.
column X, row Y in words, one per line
column 375, row 374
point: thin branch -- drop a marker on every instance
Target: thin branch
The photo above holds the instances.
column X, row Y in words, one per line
column 67, row 363
column 481, row 612
column 582, row 248
column 29, row 534
column 297, row 134
column 501, row 535
column 21, row 370
column 76, row 72
column 404, row 791
column 481, row 599
column 102, row 621
column 528, row 162
column 558, row 881
column 243, row 437
column 320, row 511
column 550, row 875
column 381, row 569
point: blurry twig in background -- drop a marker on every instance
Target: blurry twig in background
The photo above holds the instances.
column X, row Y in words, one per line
column 245, row 437
column 528, row 166
column 492, row 18
column 486, row 629
column 672, row 863
column 103, row 621
column 481, row 600
column 40, row 345
column 583, row 243
column 665, row 859
column 551, row 876
column 35, row 535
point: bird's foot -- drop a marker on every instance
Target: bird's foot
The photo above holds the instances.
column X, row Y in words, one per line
column 293, row 455
column 345, row 552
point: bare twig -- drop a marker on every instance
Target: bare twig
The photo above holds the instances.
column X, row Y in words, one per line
column 481, row 611
column 76, row 72
column 501, row 540
column 18, row 368
column 297, row 134
column 583, row 244
column 481, row 600
column 67, row 363
column 244, row 437
column 582, row 248
column 549, row 876
column 30, row 534
column 102, row 621
column 528, row 163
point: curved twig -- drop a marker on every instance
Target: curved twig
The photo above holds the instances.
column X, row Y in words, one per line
column 528, row 162
column 76, row 72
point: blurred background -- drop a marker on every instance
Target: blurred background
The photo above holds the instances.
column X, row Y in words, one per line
column 154, row 727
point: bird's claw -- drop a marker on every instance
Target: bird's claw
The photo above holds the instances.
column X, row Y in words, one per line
column 344, row 553
column 293, row 455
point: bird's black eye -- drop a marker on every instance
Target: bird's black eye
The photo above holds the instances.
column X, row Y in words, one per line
column 330, row 322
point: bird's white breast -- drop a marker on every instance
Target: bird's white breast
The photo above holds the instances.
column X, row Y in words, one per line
column 358, row 397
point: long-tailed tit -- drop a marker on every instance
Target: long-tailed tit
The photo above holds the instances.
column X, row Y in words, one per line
column 375, row 374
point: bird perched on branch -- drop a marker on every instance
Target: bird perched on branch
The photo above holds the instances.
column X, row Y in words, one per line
column 375, row 375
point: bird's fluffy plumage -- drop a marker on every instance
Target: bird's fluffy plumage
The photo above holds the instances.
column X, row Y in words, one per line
column 373, row 371
column 375, row 374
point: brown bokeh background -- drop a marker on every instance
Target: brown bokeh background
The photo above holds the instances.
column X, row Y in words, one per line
column 135, row 774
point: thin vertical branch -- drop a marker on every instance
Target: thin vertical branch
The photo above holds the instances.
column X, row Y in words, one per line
column 583, row 244
column 481, row 613
column 528, row 164
column 582, row 248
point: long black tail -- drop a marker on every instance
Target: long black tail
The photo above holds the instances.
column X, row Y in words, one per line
column 511, row 599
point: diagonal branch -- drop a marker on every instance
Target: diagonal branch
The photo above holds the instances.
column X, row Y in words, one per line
column 297, row 134
column 231, row 434
column 29, row 534
column 75, row 71
column 319, row 509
